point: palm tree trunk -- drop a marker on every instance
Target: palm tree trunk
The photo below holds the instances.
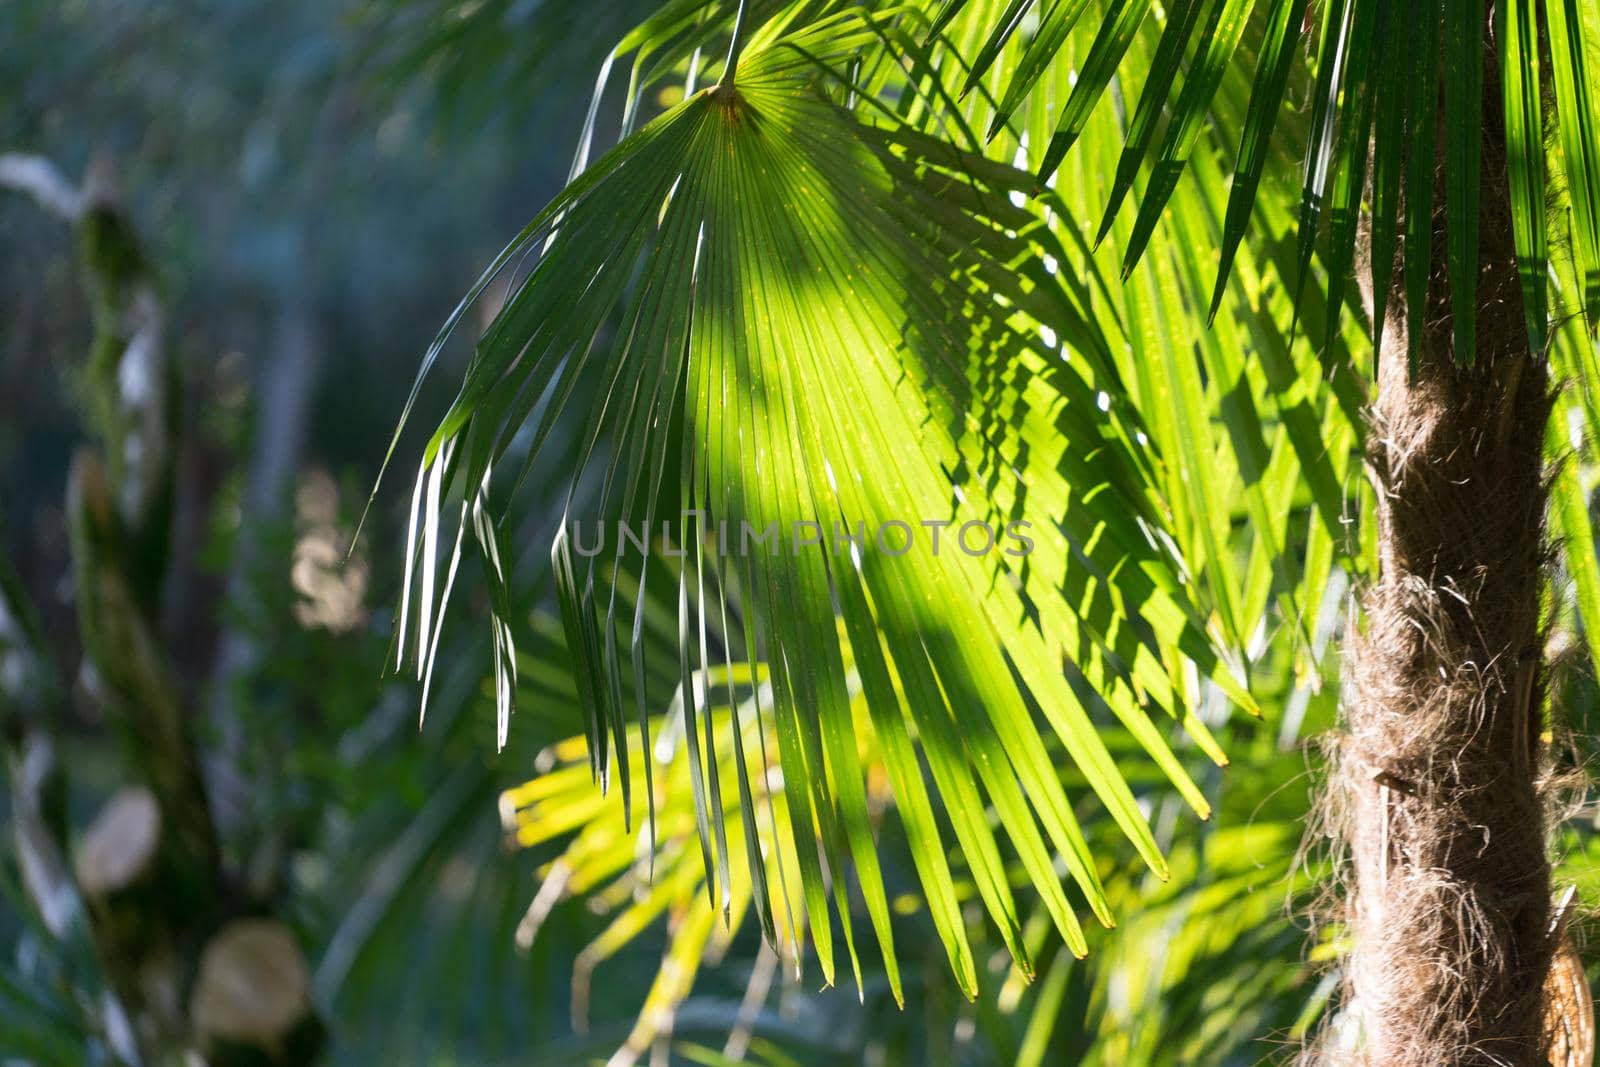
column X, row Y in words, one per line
column 1439, row 775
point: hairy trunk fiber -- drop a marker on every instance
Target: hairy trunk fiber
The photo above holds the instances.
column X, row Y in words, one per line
column 1437, row 780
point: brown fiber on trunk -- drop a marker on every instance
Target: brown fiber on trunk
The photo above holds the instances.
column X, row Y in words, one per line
column 1436, row 784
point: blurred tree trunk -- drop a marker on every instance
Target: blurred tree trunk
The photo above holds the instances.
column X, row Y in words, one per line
column 147, row 887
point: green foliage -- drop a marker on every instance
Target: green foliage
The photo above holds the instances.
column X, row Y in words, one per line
column 741, row 213
column 850, row 273
column 811, row 292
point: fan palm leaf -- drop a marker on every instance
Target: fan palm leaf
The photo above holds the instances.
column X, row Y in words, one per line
column 775, row 293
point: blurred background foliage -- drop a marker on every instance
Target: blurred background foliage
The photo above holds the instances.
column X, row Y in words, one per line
column 315, row 183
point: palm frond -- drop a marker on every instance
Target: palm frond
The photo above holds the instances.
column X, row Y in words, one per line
column 806, row 320
column 1385, row 76
column 1154, row 982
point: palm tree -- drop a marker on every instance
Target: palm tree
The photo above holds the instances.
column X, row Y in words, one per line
column 845, row 296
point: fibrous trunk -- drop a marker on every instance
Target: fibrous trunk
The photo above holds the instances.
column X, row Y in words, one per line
column 1438, row 779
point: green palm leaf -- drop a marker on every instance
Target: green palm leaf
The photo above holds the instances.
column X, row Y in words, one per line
column 805, row 298
column 1574, row 34
column 794, row 320
column 1519, row 74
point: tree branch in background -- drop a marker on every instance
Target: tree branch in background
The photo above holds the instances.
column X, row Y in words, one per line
column 39, row 178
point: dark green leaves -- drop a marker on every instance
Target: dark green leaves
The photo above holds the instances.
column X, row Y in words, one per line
column 1337, row 19
column 1376, row 108
column 1152, row 98
column 1277, row 54
column 1422, row 96
column 1388, row 157
column 1218, row 39
column 1463, row 148
column 1519, row 75
column 1366, row 58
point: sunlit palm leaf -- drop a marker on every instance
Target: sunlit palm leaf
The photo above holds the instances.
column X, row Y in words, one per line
column 1188, row 948
column 1519, row 73
column 1574, row 34
column 795, row 317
